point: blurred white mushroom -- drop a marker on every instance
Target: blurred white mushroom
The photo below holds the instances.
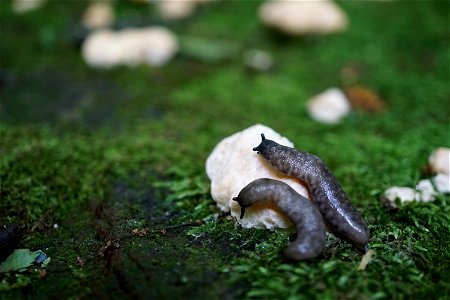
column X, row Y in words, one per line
column 233, row 164
column 440, row 160
column 258, row 60
column 99, row 14
column 403, row 194
column 177, row 9
column 154, row 46
column 24, row 6
column 425, row 191
column 442, row 183
column 302, row 17
column 101, row 49
column 329, row 107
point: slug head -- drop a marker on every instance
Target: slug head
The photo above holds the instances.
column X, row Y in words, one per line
column 266, row 147
column 362, row 247
column 241, row 205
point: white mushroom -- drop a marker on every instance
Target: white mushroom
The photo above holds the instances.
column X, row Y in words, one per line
column 175, row 10
column 442, row 183
column 99, row 14
column 426, row 191
column 178, row 9
column 440, row 160
column 24, row 6
column 404, row 194
column 233, row 164
column 258, row 60
column 301, row 17
column 154, row 46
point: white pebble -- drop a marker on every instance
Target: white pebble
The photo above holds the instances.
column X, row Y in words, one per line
column 301, row 17
column 329, row 107
column 440, row 160
column 233, row 164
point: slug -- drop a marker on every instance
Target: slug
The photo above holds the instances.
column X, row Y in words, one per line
column 340, row 215
column 306, row 217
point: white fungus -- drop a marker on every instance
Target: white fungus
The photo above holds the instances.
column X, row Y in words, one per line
column 179, row 9
column 404, row 194
column 302, row 17
column 425, row 191
column 329, row 107
column 439, row 160
column 442, row 183
column 24, row 6
column 153, row 46
column 99, row 14
column 174, row 10
column 258, row 60
column 233, row 164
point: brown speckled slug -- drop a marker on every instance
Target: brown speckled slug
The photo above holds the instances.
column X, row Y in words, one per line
column 306, row 217
column 340, row 215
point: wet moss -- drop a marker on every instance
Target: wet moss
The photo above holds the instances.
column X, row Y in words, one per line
column 101, row 153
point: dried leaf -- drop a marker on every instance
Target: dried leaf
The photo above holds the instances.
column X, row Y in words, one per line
column 364, row 99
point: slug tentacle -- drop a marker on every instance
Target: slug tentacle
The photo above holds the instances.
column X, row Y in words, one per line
column 328, row 195
column 257, row 148
column 306, row 217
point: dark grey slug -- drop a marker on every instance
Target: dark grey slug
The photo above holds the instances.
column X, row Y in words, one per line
column 306, row 217
column 340, row 215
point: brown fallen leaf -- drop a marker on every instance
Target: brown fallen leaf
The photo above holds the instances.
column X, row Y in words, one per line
column 42, row 273
column 362, row 98
column 139, row 232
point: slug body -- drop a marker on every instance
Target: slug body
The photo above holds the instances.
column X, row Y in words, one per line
column 339, row 213
column 306, row 217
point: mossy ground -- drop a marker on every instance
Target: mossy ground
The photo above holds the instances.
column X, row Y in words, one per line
column 101, row 153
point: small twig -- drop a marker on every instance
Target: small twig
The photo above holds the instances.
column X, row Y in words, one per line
column 365, row 260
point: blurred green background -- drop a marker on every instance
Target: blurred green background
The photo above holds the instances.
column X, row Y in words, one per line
column 103, row 152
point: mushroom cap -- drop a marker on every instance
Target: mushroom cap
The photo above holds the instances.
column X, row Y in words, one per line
column 232, row 165
column 302, row 17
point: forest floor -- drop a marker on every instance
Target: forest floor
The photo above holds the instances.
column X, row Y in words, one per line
column 104, row 170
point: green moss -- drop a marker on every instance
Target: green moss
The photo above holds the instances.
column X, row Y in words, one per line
column 101, row 153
